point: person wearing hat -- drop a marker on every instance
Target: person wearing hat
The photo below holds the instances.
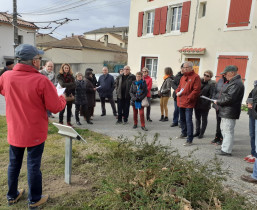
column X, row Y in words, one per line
column 229, row 105
column 9, row 66
column 28, row 94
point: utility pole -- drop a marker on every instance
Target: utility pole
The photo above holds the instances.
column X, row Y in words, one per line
column 15, row 28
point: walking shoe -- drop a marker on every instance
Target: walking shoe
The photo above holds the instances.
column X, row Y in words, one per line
column 219, row 142
column 161, row 119
column 89, row 122
column 196, row 134
column 125, row 123
column 144, row 129
column 186, row 144
column 251, row 160
column 165, row 119
column 249, row 169
column 248, row 178
column 149, row 120
column 200, row 136
column 115, row 114
column 214, row 141
column 223, row 153
column 103, row 114
column 135, row 126
column 78, row 123
column 118, row 122
column 247, row 157
column 13, row 201
column 69, row 124
column 35, row 205
column 173, row 125
column 182, row 136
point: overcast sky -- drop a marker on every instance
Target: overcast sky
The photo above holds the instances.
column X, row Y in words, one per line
column 92, row 15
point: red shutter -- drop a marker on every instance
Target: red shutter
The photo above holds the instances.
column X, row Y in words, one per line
column 239, row 13
column 157, row 20
column 140, row 24
column 151, row 0
column 185, row 16
column 142, row 62
column 239, row 61
column 163, row 21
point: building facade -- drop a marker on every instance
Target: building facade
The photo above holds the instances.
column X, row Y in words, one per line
column 26, row 34
column 211, row 34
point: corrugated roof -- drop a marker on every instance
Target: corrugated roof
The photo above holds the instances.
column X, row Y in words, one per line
column 79, row 42
column 7, row 18
column 108, row 30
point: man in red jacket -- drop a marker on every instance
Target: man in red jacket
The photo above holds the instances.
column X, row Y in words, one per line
column 28, row 95
column 187, row 93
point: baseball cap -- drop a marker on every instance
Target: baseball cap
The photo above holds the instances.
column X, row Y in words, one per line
column 27, row 52
column 229, row 68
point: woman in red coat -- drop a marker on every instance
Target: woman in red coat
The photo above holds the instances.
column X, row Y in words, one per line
column 149, row 83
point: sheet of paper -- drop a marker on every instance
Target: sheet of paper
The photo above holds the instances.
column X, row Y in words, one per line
column 209, row 99
column 60, row 90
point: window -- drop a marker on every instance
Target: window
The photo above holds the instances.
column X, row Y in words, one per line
column 202, row 9
column 176, row 18
column 151, row 64
column 239, row 13
column 149, row 22
column 20, row 39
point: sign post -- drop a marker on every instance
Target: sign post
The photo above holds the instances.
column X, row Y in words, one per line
column 69, row 134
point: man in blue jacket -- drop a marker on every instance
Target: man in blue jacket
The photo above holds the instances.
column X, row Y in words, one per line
column 105, row 89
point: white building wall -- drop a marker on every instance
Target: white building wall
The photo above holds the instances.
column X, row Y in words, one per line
column 210, row 33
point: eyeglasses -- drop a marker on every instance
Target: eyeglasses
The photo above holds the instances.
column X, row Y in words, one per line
column 144, row 71
column 206, row 75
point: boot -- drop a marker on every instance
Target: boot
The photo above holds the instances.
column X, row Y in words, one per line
column 162, row 117
column 165, row 119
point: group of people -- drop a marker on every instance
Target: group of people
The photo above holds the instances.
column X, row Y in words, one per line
column 36, row 98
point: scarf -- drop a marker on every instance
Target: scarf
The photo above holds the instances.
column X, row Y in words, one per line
column 138, row 104
column 50, row 75
column 166, row 76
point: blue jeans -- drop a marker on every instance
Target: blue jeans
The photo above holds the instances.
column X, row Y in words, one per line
column 186, row 123
column 176, row 113
column 34, row 157
column 252, row 132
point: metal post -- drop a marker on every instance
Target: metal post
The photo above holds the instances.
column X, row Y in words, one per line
column 68, row 157
column 15, row 28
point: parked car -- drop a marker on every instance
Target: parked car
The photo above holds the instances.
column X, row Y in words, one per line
column 154, row 90
column 115, row 75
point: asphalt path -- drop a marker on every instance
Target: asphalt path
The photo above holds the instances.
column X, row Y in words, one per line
column 203, row 150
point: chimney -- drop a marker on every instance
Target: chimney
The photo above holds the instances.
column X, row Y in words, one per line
column 72, row 34
column 105, row 40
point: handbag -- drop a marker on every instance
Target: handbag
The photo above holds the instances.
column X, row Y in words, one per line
column 144, row 102
column 70, row 98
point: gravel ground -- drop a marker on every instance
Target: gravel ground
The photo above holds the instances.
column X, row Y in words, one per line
column 204, row 150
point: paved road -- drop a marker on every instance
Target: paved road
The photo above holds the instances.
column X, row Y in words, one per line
column 206, row 151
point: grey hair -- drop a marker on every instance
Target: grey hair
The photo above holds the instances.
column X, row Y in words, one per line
column 146, row 69
column 28, row 62
column 189, row 63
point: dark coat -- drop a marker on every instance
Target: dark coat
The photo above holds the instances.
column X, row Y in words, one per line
column 90, row 92
column 67, row 82
column 128, row 82
column 80, row 92
column 176, row 84
column 106, row 86
column 231, row 99
column 253, row 112
column 207, row 89
column 165, row 89
column 133, row 91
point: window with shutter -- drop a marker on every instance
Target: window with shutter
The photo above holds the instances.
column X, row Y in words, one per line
column 140, row 24
column 150, row 22
column 185, row 16
column 226, row 60
column 239, row 13
column 151, row 63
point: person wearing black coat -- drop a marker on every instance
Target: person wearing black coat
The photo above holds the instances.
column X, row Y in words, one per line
column 105, row 89
column 175, row 85
column 229, row 105
column 66, row 80
column 123, row 84
column 94, row 82
column 80, row 98
column 90, row 93
column 202, row 105
column 138, row 92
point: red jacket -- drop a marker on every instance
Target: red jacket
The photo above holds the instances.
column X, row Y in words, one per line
column 28, row 94
column 191, row 83
column 149, row 83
